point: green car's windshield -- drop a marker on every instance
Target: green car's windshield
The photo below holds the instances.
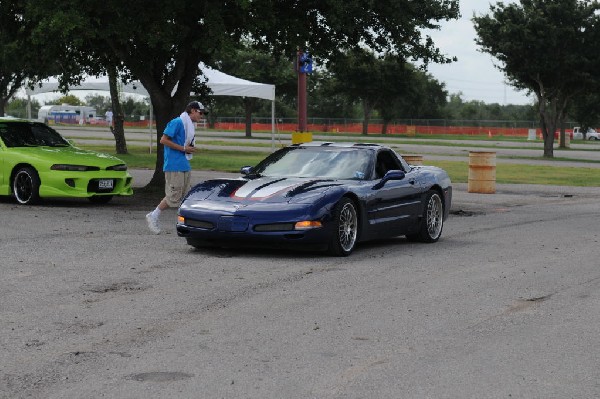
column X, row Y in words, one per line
column 30, row 134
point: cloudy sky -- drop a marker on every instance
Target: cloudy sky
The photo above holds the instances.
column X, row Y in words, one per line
column 474, row 73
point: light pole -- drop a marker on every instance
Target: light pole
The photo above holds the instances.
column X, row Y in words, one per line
column 303, row 67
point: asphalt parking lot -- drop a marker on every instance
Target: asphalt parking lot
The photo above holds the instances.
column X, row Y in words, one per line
column 506, row 304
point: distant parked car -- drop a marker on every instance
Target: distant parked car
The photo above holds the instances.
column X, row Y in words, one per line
column 590, row 135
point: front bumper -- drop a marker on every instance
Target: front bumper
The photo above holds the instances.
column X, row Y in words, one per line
column 84, row 184
column 261, row 228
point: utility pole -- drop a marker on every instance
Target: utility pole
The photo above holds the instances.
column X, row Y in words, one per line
column 303, row 67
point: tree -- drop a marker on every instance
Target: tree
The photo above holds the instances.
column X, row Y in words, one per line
column 358, row 75
column 585, row 110
column 99, row 102
column 325, row 100
column 20, row 62
column 162, row 44
column 69, row 99
column 414, row 94
column 17, row 107
column 547, row 47
column 387, row 84
column 117, row 129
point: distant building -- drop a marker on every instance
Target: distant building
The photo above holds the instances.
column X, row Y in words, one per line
column 66, row 114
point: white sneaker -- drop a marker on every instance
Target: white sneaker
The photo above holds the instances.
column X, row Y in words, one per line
column 152, row 223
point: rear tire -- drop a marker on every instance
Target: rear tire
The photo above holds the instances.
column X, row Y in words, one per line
column 432, row 220
column 26, row 186
column 345, row 232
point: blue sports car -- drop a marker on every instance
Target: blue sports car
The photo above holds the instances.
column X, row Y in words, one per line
column 319, row 195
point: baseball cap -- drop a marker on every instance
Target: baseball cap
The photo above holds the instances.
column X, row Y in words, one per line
column 197, row 105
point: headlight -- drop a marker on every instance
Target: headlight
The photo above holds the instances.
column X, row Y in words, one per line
column 74, row 168
column 121, row 167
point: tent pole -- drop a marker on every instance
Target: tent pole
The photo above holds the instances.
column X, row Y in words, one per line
column 273, row 124
column 150, row 127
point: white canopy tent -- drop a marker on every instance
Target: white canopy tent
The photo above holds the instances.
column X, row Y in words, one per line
column 220, row 83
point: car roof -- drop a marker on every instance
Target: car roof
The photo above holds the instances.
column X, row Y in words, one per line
column 339, row 144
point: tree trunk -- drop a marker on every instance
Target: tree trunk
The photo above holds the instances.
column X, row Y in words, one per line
column 384, row 126
column 547, row 115
column 548, row 129
column 552, row 114
column 367, row 115
column 561, row 138
column 8, row 88
column 118, row 118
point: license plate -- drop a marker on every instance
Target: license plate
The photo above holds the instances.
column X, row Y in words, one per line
column 105, row 184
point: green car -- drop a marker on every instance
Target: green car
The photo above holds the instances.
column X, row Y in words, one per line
column 37, row 162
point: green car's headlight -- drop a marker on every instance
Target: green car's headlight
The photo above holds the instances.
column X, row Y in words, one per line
column 74, row 168
column 121, row 167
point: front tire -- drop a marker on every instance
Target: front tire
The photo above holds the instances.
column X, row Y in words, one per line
column 345, row 232
column 432, row 220
column 26, row 186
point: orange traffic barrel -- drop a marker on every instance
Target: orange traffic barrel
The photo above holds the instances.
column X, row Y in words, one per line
column 482, row 172
column 413, row 159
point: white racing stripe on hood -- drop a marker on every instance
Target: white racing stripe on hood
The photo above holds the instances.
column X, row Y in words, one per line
column 253, row 189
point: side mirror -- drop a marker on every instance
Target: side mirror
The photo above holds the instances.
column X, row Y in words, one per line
column 394, row 175
column 390, row 175
column 246, row 170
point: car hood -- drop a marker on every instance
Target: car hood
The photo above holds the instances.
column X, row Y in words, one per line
column 261, row 190
column 67, row 155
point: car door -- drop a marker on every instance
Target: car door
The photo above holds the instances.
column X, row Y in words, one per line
column 394, row 206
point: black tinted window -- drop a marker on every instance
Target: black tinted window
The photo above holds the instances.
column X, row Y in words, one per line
column 26, row 134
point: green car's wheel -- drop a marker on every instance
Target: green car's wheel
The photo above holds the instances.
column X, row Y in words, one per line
column 26, row 186
column 345, row 231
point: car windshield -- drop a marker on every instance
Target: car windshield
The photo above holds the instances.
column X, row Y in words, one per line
column 327, row 163
column 30, row 134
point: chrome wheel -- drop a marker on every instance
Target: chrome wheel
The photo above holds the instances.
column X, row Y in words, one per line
column 434, row 217
column 432, row 220
column 347, row 227
column 345, row 233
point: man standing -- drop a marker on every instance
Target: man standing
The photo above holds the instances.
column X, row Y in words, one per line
column 178, row 142
column 109, row 119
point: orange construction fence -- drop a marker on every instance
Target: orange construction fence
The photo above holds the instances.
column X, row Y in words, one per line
column 376, row 128
column 373, row 128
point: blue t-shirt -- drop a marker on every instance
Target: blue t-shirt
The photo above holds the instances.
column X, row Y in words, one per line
column 175, row 160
